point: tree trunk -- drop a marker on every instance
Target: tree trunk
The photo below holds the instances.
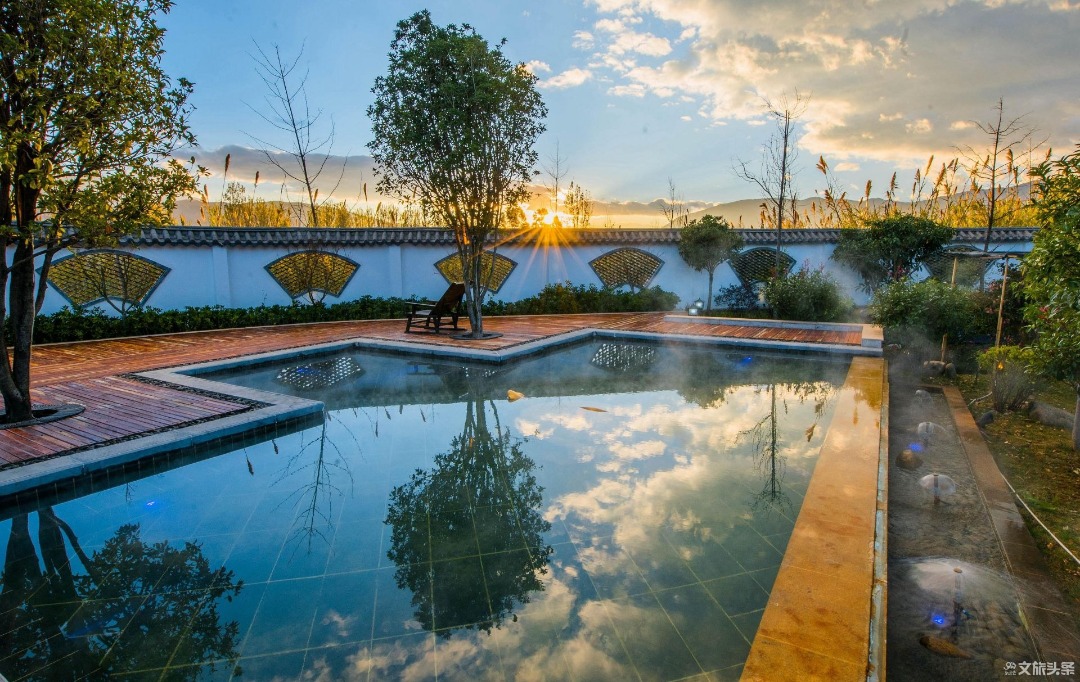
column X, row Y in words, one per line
column 708, row 301
column 15, row 378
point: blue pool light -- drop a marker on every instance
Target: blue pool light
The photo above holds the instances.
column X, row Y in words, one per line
column 938, row 619
column 151, row 503
column 916, row 447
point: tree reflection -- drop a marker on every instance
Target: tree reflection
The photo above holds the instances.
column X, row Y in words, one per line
column 467, row 534
column 765, row 440
column 138, row 606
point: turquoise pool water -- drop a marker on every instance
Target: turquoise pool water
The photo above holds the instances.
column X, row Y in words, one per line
column 623, row 519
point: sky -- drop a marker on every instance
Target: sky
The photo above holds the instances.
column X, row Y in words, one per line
column 640, row 91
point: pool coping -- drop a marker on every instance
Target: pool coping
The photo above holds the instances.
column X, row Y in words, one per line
column 825, row 618
column 871, row 335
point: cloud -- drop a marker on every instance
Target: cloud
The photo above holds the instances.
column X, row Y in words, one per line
column 570, row 78
column 863, row 63
column 538, row 66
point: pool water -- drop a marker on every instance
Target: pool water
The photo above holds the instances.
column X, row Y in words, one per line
column 610, row 510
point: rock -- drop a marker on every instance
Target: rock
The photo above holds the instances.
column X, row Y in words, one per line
column 922, row 396
column 1050, row 415
column 908, row 460
column 934, row 367
column 984, row 420
column 950, row 370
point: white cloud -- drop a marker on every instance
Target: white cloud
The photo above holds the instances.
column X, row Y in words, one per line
column 846, row 166
column 583, row 40
column 537, row 66
column 866, row 61
column 571, row 78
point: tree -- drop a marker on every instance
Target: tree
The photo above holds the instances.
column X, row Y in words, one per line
column 290, row 113
column 1052, row 274
column 673, row 207
column 995, row 166
column 774, row 177
column 555, row 170
column 455, row 123
column 890, row 249
column 579, row 205
column 89, row 122
column 706, row 243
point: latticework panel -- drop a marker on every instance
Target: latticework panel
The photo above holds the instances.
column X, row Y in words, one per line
column 758, row 265
column 496, row 268
column 624, row 357
column 94, row 276
column 321, row 374
column 971, row 264
column 304, row 272
column 626, row 266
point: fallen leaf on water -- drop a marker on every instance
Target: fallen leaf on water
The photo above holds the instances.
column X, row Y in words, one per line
column 943, row 647
column 593, row 409
column 274, row 442
column 513, row 395
column 810, row 432
column 251, row 469
column 387, row 412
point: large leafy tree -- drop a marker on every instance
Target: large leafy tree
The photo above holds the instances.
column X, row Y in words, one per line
column 890, row 249
column 455, row 124
column 706, row 243
column 88, row 120
column 1052, row 274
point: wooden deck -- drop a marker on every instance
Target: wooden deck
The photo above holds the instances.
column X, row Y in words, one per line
column 118, row 407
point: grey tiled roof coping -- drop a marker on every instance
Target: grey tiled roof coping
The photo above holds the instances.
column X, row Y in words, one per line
column 384, row 236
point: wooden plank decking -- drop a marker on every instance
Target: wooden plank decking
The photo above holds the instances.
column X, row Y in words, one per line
column 92, row 373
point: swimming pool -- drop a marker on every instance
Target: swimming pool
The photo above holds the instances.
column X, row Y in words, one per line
column 624, row 517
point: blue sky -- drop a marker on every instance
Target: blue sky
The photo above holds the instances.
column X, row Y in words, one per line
column 642, row 90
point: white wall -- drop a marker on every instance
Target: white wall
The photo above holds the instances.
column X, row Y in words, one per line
column 233, row 274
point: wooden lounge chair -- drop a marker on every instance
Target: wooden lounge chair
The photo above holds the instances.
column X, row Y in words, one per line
column 432, row 313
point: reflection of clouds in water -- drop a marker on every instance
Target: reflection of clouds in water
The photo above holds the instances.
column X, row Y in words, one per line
column 529, row 649
column 639, row 450
column 532, row 429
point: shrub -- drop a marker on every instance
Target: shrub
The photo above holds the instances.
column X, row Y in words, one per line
column 808, row 295
column 890, row 249
column 1011, row 379
column 926, row 310
column 737, row 298
column 565, row 298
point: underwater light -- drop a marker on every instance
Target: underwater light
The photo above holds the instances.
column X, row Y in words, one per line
column 151, row 503
column 938, row 619
column 915, row 447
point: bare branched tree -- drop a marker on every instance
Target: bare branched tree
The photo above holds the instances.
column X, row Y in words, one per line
column 674, row 207
column 994, row 169
column 775, row 175
column 555, row 169
column 288, row 110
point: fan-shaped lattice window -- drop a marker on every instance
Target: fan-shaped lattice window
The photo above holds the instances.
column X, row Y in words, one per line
column 94, row 276
column 970, row 264
column 758, row 265
column 633, row 267
column 322, row 374
column 496, row 265
column 304, row 272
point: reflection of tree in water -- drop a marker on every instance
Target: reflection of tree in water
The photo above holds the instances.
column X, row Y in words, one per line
column 765, row 441
column 479, row 498
column 138, row 606
column 314, row 499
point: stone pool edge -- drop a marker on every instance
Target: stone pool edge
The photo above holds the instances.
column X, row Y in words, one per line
column 825, row 617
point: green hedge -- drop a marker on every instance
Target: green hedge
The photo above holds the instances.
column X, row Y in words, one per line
column 75, row 325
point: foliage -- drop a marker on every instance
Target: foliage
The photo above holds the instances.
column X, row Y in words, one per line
column 89, row 121
column 706, row 243
column 1014, row 327
column 920, row 311
column 238, row 209
column 1011, row 379
column 890, row 249
column 454, row 124
column 579, row 205
column 1052, row 273
column 737, row 297
column 808, row 295
column 566, row 298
